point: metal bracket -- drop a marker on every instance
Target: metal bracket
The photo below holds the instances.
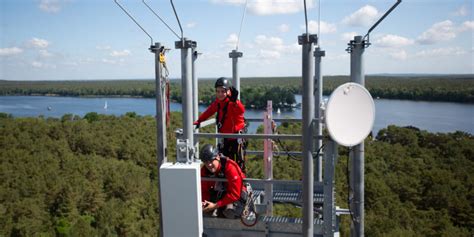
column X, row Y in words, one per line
column 184, row 151
column 319, row 53
column 179, row 133
column 352, row 44
column 235, row 54
column 184, row 44
column 306, row 39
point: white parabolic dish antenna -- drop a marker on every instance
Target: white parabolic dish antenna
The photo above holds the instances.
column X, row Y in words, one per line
column 350, row 114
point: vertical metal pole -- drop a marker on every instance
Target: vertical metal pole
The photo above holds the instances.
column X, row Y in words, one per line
column 195, row 97
column 308, row 116
column 318, row 98
column 268, row 158
column 186, row 91
column 329, row 212
column 160, row 122
column 235, row 55
column 357, row 153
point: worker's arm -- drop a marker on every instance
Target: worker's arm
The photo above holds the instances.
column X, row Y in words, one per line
column 211, row 110
column 234, row 186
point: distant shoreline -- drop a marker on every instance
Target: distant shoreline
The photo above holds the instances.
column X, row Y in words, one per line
column 255, row 91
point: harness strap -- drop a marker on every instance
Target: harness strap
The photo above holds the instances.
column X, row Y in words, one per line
column 220, row 122
column 223, row 165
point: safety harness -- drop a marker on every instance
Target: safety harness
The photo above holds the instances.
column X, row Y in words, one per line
column 220, row 122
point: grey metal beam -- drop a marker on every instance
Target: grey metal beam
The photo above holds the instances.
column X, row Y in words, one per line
column 268, row 158
column 329, row 214
column 249, row 136
column 235, row 55
column 287, row 185
column 281, row 153
column 160, row 120
column 357, row 153
column 275, row 119
column 186, row 91
column 318, row 100
column 307, row 42
column 195, row 100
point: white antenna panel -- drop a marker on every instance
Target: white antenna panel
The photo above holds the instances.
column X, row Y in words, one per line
column 350, row 114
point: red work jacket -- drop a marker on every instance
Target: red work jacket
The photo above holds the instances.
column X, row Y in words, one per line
column 233, row 187
column 234, row 117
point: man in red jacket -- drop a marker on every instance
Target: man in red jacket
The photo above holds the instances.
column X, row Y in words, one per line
column 228, row 198
column 230, row 119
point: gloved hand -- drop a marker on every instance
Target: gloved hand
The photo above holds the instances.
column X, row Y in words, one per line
column 197, row 123
column 234, row 94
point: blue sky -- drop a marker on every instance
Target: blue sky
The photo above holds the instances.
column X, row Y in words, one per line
column 94, row 39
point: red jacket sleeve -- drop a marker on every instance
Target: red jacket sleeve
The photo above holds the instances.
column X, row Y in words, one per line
column 238, row 107
column 234, row 186
column 211, row 110
column 205, row 186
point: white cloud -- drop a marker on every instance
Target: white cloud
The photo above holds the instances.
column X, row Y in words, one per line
column 450, row 51
column 38, row 43
column 122, row 53
column 273, row 47
column 365, row 16
column 44, row 53
column 399, row 54
column 230, row 2
column 326, row 28
column 283, row 28
column 444, row 31
column 348, row 36
column 268, row 54
column 466, row 26
column 270, row 7
column 37, row 64
column 103, row 47
column 341, row 56
column 70, row 64
column 191, row 25
column 393, row 41
column 86, row 60
column 211, row 56
column 278, row 6
column 441, row 31
column 108, row 61
column 272, row 41
column 231, row 40
column 51, row 6
column 10, row 51
column 462, row 11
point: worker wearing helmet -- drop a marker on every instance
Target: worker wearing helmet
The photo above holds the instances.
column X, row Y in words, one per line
column 230, row 119
column 228, row 198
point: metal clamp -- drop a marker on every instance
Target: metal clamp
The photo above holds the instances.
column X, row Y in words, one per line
column 185, row 43
column 184, row 151
column 306, row 39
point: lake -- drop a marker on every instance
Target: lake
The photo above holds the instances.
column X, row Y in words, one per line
column 431, row 116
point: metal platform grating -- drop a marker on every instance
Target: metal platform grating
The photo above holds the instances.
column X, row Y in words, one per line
column 290, row 197
column 266, row 226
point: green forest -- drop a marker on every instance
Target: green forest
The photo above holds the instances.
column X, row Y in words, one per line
column 256, row 91
column 97, row 176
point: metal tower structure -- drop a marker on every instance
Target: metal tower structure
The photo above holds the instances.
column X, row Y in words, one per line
column 180, row 182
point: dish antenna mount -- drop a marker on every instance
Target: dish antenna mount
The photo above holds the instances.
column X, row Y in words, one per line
column 366, row 40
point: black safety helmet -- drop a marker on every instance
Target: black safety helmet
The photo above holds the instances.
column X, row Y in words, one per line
column 222, row 82
column 208, row 153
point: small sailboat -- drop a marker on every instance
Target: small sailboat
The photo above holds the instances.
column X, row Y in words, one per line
column 105, row 105
column 278, row 111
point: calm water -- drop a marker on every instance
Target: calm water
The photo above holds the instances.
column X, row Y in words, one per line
column 431, row 116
